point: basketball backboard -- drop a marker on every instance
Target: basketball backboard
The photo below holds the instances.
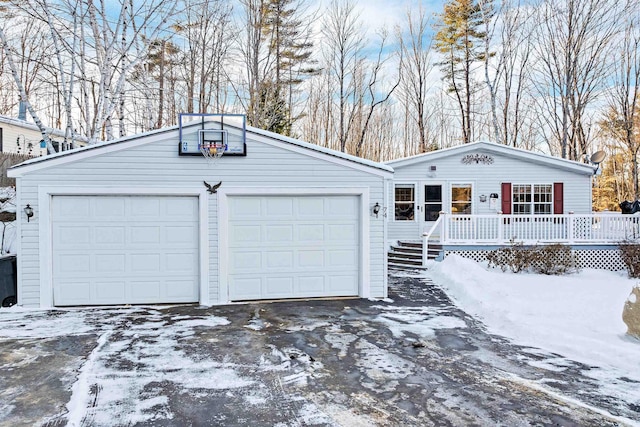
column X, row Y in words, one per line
column 227, row 129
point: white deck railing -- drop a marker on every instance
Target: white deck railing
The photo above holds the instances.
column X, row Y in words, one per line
column 596, row 228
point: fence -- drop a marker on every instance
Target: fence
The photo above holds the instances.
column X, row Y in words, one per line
column 6, row 161
column 596, row 228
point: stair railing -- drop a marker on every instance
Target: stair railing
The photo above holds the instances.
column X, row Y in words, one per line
column 427, row 235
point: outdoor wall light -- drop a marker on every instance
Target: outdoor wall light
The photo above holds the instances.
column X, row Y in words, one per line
column 376, row 209
column 28, row 211
column 483, row 198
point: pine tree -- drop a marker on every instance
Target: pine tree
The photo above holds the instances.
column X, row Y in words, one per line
column 461, row 42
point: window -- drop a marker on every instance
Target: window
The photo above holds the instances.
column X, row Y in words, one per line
column 432, row 202
column 536, row 199
column 461, row 199
column 405, row 200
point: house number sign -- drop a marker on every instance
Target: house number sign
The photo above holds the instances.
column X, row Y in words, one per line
column 478, row 159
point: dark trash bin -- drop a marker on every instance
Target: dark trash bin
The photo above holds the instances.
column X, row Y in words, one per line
column 8, row 281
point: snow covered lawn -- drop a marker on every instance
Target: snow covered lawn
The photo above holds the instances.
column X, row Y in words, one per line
column 577, row 316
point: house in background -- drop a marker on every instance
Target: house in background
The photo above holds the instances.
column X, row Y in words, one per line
column 22, row 137
column 137, row 224
column 475, row 197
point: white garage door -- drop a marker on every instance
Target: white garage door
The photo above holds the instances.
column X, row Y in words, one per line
column 124, row 249
column 293, row 246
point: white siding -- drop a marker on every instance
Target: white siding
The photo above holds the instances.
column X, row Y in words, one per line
column 156, row 165
column 486, row 179
column 10, row 134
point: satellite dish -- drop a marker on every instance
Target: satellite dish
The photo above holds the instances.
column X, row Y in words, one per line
column 598, row 157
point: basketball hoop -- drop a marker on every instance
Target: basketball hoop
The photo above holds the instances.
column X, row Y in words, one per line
column 212, row 150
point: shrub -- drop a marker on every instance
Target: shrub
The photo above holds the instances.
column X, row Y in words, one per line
column 554, row 259
column 548, row 259
column 516, row 258
column 630, row 253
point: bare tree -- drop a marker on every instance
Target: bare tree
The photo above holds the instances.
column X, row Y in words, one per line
column 622, row 118
column 344, row 40
column 572, row 46
column 416, row 66
column 23, row 94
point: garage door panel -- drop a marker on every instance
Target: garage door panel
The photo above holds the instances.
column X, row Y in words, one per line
column 123, row 258
column 110, row 263
column 71, row 236
column 278, row 287
column 108, row 209
column 310, row 233
column 337, row 233
column 341, row 258
column 311, row 207
column 109, row 235
column 311, row 258
column 73, row 263
column 337, row 284
column 145, row 234
column 77, row 208
column 278, row 207
column 145, row 290
column 275, row 260
column 279, row 233
column 111, row 291
column 311, row 285
column 290, row 247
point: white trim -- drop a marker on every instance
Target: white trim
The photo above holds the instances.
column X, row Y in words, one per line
column 46, row 193
column 473, row 194
column 388, row 183
column 364, row 276
column 19, row 212
column 416, row 188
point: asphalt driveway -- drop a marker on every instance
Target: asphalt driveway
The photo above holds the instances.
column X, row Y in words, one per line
column 413, row 361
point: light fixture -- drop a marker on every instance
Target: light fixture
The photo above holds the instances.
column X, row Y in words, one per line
column 483, row 198
column 28, row 211
column 376, row 209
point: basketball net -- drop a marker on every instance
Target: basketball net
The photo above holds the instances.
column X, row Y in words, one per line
column 212, row 151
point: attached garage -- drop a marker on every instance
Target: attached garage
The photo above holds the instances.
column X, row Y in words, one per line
column 124, row 249
column 146, row 220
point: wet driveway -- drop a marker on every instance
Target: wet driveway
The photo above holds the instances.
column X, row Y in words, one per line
column 413, row 361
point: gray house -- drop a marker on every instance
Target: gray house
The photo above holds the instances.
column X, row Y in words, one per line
column 140, row 221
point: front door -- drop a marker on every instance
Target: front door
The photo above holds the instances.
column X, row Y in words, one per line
column 432, row 203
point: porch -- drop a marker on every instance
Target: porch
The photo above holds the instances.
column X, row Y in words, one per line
column 595, row 232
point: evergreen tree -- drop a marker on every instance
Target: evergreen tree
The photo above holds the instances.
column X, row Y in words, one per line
column 461, row 41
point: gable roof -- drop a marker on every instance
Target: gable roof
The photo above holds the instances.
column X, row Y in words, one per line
column 504, row 150
column 156, row 135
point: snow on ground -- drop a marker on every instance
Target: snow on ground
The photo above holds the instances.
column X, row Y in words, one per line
column 578, row 316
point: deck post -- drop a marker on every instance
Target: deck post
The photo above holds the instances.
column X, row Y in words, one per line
column 445, row 228
column 500, row 227
column 570, row 225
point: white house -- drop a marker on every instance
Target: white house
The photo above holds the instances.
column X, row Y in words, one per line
column 476, row 197
column 483, row 178
column 22, row 137
column 132, row 222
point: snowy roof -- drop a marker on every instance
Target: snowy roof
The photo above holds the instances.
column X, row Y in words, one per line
column 125, row 142
column 504, row 150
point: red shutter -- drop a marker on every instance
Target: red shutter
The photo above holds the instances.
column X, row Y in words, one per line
column 558, row 198
column 506, row 198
